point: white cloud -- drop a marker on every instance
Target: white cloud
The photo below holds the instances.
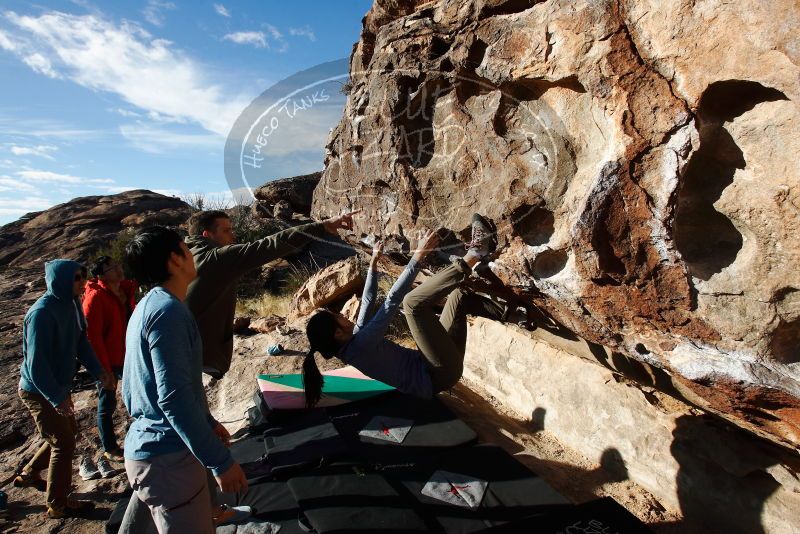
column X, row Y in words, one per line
column 277, row 36
column 305, row 31
column 273, row 31
column 257, row 39
column 157, row 140
column 40, row 64
column 153, row 11
column 98, row 54
column 125, row 112
column 44, row 128
column 222, row 10
column 10, row 184
column 54, row 177
column 272, row 38
column 6, row 42
column 41, row 151
column 21, row 206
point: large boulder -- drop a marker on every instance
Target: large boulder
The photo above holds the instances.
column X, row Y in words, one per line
column 638, row 160
column 720, row 478
column 297, row 191
column 333, row 283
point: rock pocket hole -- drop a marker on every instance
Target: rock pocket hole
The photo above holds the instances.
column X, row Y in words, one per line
column 414, row 117
column 509, row 7
column 535, row 225
column 641, row 349
column 439, row 47
column 785, row 344
column 707, row 239
column 477, row 51
column 549, row 263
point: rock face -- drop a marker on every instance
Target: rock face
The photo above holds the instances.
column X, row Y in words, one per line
column 327, row 286
column 637, row 158
column 721, row 478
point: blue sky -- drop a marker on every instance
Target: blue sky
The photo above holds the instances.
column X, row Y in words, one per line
column 98, row 97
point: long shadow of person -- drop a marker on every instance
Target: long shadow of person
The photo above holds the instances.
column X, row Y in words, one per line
column 722, row 482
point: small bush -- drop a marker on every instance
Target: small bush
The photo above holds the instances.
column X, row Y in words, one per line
column 116, row 250
column 202, row 202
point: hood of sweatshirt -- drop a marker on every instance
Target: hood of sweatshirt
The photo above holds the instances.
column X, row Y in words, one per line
column 59, row 275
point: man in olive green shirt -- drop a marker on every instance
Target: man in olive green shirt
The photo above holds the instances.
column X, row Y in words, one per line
column 220, row 263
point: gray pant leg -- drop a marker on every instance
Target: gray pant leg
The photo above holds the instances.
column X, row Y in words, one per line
column 444, row 356
column 137, row 519
column 175, row 489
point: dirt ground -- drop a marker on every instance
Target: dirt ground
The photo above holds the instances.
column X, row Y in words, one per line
column 567, row 471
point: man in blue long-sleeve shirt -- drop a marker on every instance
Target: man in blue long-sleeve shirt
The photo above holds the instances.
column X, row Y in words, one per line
column 53, row 334
column 173, row 437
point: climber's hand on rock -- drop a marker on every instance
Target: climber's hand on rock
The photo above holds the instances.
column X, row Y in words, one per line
column 377, row 249
column 427, row 242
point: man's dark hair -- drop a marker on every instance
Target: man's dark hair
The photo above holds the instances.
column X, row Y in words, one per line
column 99, row 266
column 205, row 221
column 148, row 253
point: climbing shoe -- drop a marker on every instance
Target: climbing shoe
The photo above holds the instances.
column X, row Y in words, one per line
column 482, row 241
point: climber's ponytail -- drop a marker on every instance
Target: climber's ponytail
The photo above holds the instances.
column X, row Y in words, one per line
column 321, row 332
column 312, row 380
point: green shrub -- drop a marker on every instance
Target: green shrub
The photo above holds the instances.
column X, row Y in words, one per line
column 116, row 250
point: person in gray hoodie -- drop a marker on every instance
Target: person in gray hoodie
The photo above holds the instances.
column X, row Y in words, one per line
column 53, row 335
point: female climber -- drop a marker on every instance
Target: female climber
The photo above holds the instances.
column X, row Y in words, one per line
column 439, row 362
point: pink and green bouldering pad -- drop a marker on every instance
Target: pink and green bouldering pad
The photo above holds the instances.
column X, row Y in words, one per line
column 348, row 384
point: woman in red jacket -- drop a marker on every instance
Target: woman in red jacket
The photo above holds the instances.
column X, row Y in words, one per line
column 108, row 302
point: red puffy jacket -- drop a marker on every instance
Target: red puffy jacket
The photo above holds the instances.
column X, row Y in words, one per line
column 107, row 318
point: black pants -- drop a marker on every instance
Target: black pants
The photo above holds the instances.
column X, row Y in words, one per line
column 106, row 405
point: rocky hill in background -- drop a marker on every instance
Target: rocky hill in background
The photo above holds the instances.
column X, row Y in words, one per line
column 638, row 158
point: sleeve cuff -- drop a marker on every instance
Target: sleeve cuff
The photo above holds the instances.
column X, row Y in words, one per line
column 218, row 470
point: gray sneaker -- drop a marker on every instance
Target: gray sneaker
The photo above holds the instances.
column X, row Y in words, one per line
column 105, row 468
column 87, row 469
column 482, row 241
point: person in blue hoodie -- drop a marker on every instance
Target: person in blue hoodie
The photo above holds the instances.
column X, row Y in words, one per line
column 53, row 335
column 173, row 438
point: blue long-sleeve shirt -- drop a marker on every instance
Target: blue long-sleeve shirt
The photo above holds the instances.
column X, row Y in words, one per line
column 53, row 335
column 377, row 357
column 162, row 385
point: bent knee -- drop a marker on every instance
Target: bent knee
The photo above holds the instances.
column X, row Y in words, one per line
column 411, row 303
